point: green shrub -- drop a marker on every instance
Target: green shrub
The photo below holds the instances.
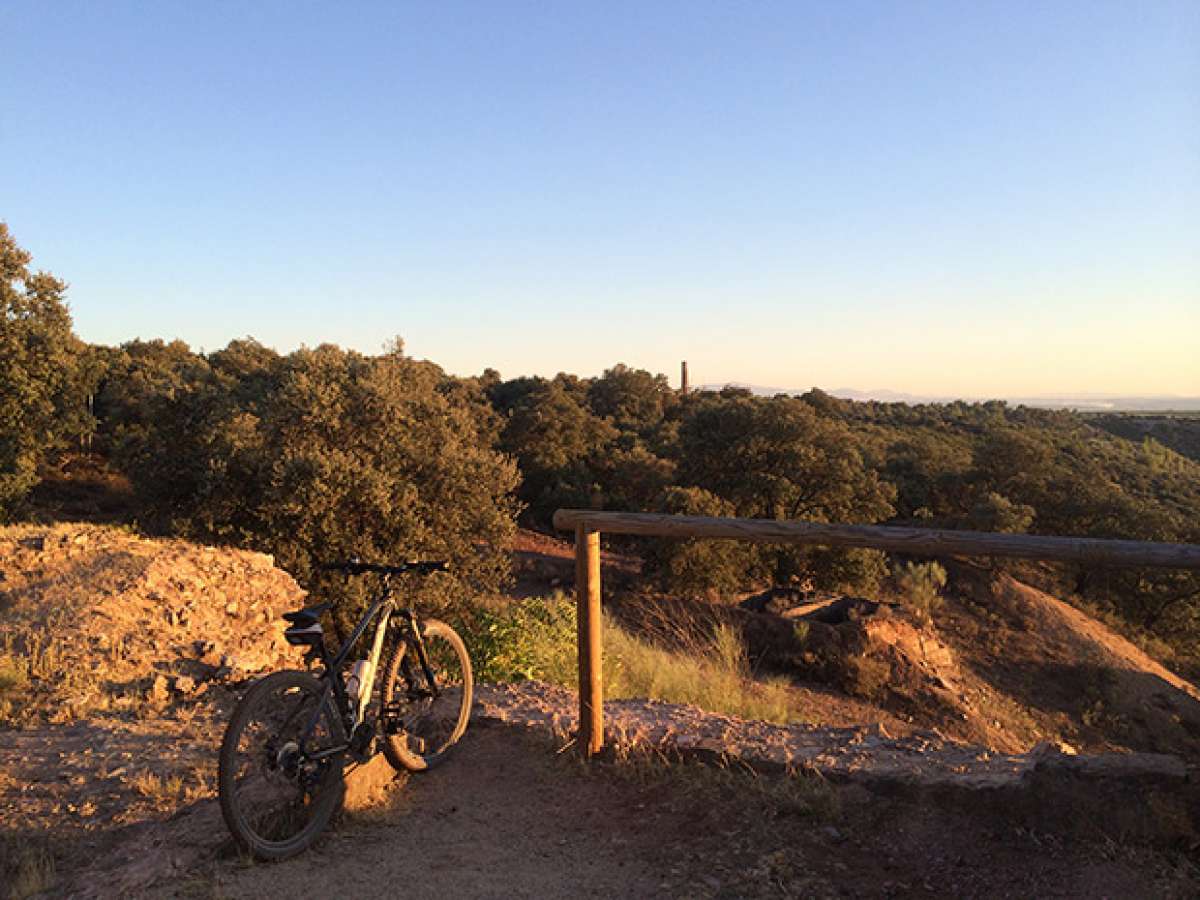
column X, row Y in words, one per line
column 919, row 586
column 699, row 567
column 525, row 640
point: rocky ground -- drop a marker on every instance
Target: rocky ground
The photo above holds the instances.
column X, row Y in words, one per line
column 865, row 755
column 100, row 621
column 120, row 658
column 1002, row 665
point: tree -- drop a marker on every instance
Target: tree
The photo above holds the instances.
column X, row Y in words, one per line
column 780, row 459
column 558, row 444
column 633, row 399
column 698, row 567
column 629, row 476
column 995, row 512
column 332, row 454
column 930, row 472
column 1013, row 461
column 143, row 379
column 40, row 402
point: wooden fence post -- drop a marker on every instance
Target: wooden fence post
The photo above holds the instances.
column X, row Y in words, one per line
column 591, row 675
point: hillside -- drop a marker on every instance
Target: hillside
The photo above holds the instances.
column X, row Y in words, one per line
column 1178, row 431
column 1001, row 664
column 1056, row 672
column 121, row 656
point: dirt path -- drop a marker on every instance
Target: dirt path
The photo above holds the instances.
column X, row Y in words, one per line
column 499, row 820
column 509, row 817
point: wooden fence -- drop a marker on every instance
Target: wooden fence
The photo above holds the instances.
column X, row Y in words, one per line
column 588, row 524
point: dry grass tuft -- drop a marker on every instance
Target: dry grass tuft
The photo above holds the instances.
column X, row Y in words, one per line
column 713, row 674
column 163, row 790
column 697, row 661
column 26, row 867
column 200, row 885
column 13, row 676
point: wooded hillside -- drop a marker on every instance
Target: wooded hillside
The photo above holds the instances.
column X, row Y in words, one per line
column 326, row 452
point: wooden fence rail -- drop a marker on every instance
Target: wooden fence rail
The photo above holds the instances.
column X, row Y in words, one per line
column 587, row 525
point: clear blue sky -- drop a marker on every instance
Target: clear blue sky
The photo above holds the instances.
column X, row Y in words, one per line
column 974, row 198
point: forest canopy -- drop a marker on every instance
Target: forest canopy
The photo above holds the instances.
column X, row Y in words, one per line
column 328, row 452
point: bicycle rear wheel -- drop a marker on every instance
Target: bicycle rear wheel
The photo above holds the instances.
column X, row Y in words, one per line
column 421, row 721
column 278, row 787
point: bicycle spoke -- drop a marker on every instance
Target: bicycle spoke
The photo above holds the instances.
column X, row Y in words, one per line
column 427, row 707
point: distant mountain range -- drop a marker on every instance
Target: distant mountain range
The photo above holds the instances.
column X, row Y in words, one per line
column 1080, row 402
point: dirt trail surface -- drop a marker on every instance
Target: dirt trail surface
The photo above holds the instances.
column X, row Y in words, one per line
column 497, row 821
column 510, row 817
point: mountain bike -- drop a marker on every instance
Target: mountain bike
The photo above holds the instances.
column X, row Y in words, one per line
column 285, row 751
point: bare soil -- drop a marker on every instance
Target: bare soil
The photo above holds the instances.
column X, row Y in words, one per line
column 1044, row 670
column 515, row 814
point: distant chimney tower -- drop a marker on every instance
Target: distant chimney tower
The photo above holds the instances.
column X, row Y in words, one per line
column 683, row 385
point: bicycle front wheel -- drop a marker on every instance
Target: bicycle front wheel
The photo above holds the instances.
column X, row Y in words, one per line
column 423, row 720
column 280, row 769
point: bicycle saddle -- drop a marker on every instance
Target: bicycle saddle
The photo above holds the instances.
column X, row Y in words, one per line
column 309, row 614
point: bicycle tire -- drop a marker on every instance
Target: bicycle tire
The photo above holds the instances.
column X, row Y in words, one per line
column 253, row 766
column 428, row 731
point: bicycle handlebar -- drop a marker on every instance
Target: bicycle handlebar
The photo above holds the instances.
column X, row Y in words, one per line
column 356, row 567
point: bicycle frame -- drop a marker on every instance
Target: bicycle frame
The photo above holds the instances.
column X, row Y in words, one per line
column 353, row 716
